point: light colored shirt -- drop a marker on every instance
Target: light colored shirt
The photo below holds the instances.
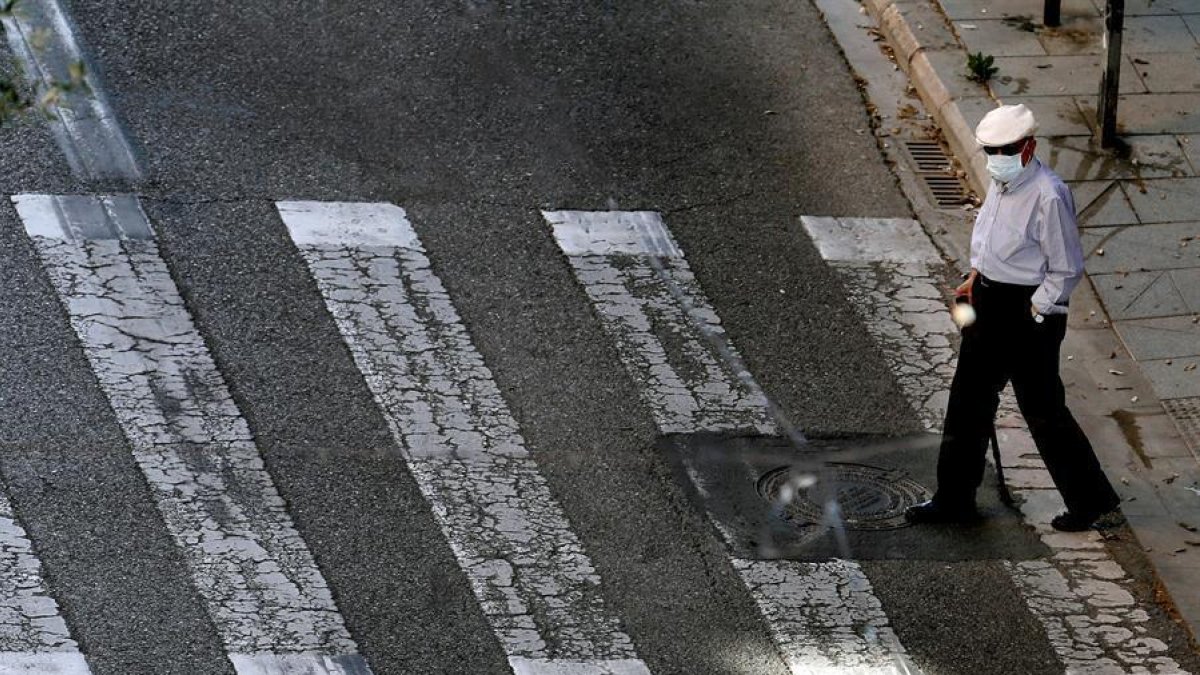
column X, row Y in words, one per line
column 1026, row 234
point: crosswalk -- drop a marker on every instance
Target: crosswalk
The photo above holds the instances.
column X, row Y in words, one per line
column 533, row 580
column 269, row 602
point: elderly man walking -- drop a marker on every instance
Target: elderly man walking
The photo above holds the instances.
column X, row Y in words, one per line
column 1025, row 261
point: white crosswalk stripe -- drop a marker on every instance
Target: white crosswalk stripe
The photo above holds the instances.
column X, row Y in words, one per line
column 529, row 571
column 824, row 616
column 264, row 593
column 1081, row 596
column 33, row 635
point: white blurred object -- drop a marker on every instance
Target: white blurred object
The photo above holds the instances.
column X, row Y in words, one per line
column 963, row 314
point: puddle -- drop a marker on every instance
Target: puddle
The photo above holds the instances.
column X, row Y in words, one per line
column 1127, row 421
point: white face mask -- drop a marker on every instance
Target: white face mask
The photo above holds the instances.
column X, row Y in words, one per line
column 1004, row 168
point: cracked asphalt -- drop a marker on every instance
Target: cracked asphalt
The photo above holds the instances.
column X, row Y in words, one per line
column 730, row 119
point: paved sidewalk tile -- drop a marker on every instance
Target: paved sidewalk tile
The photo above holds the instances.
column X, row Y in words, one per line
column 1140, row 248
column 1150, row 113
column 1143, row 295
column 1173, row 380
column 1193, row 23
column 1168, row 73
column 1169, row 337
column 1159, row 156
column 973, row 9
column 1167, row 200
column 1154, row 7
column 997, row 37
column 1191, row 149
column 1022, row 76
column 1155, row 34
column 1102, row 202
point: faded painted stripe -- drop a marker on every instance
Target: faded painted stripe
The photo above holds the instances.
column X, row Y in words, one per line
column 870, row 239
column 1082, row 597
column 42, row 36
column 535, row 583
column 33, row 635
column 523, row 666
column 64, row 663
column 824, row 617
column 298, row 664
column 688, row 387
column 259, row 581
column 612, row 232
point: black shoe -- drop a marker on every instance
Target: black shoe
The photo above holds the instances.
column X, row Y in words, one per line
column 1071, row 521
column 933, row 511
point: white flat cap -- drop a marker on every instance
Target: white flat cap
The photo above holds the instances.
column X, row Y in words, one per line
column 1006, row 124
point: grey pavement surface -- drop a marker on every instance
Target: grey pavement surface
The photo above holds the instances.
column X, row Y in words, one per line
column 731, row 121
column 1138, row 205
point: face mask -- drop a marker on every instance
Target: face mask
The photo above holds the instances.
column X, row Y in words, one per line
column 1004, row 167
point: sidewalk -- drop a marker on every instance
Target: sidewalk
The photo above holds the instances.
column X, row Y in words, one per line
column 1140, row 213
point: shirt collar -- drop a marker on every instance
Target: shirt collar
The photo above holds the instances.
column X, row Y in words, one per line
column 1026, row 174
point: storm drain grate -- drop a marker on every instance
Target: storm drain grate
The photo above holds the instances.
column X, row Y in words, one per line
column 936, row 169
column 1186, row 413
column 869, row 498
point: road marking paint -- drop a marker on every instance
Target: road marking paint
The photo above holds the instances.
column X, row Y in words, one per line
column 33, row 635
column 824, row 617
column 898, row 240
column 1081, row 596
column 887, row 263
column 535, row 583
column 41, row 35
column 262, row 588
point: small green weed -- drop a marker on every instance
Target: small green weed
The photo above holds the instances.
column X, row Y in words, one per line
column 981, row 67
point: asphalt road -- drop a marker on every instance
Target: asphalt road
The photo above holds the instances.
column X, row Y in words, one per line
column 730, row 119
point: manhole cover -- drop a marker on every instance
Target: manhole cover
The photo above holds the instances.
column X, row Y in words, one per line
column 869, row 498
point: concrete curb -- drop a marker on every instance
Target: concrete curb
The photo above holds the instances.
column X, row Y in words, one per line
column 910, row 55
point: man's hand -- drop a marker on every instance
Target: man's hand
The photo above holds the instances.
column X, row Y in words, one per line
column 964, row 289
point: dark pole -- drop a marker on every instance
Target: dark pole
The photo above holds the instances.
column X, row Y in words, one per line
column 1110, row 82
column 1052, row 16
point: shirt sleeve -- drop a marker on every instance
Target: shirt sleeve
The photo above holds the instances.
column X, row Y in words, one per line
column 1064, row 254
column 977, row 233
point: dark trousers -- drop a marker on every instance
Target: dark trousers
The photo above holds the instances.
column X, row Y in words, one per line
column 1006, row 344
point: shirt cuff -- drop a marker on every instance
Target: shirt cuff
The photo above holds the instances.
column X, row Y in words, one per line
column 1045, row 308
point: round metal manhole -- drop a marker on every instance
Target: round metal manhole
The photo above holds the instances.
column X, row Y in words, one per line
column 868, row 498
